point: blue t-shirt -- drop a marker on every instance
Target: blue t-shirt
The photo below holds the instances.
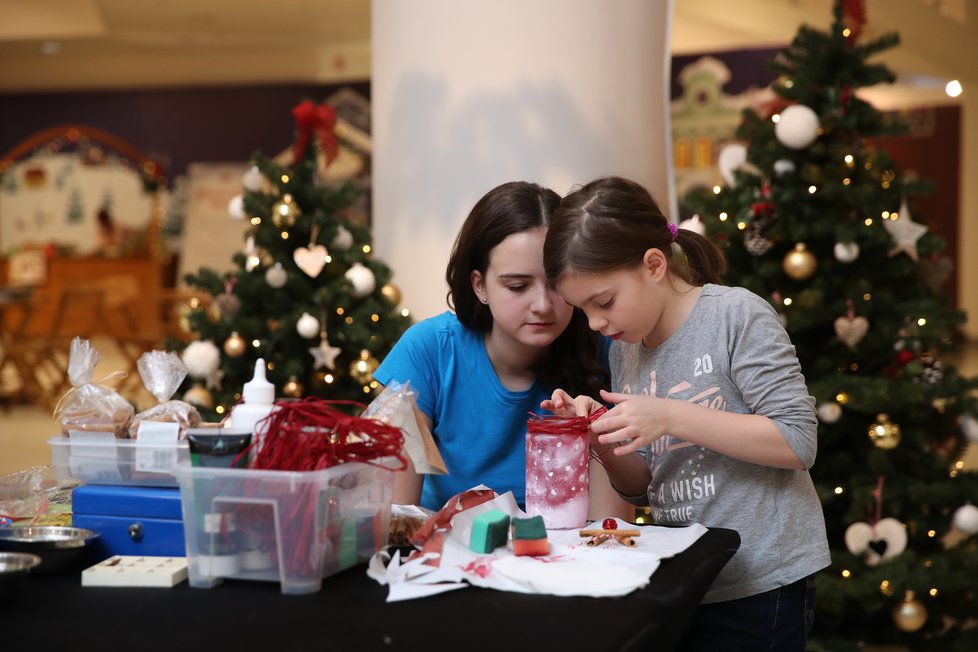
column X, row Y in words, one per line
column 479, row 425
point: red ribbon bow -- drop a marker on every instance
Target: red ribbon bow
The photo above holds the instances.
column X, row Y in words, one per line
column 319, row 119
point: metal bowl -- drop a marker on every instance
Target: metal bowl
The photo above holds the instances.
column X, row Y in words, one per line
column 14, row 568
column 60, row 548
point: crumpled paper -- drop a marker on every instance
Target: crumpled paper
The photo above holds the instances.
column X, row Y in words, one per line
column 571, row 568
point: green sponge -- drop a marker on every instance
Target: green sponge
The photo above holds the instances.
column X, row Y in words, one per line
column 529, row 528
column 489, row 531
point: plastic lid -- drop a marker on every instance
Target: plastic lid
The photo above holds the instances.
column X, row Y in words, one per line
column 258, row 390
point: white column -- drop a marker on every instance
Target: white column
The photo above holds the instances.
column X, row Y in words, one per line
column 468, row 94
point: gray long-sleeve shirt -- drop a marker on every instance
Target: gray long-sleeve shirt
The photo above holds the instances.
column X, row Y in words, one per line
column 733, row 354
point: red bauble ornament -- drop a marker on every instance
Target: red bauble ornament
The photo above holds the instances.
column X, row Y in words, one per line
column 904, row 356
column 609, row 524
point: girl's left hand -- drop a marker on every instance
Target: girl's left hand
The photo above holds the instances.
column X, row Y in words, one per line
column 563, row 404
column 633, row 422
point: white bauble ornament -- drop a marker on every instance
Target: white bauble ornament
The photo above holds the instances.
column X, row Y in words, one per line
column 845, row 252
column 253, row 179
column 797, row 128
column 729, row 160
column 876, row 543
column 969, row 426
column 202, row 358
column 694, row 224
column 343, row 240
column 829, row 412
column 362, row 280
column 966, row 519
column 236, row 207
column 783, row 166
column 307, row 326
column 276, row 276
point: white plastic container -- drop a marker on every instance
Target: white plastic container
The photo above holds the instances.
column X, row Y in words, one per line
column 304, row 525
column 117, row 461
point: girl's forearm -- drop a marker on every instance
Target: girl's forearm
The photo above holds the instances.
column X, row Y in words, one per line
column 749, row 437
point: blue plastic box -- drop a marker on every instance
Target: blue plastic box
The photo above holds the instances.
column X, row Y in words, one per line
column 131, row 520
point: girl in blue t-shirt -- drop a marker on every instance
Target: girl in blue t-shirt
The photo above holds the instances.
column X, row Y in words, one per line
column 511, row 340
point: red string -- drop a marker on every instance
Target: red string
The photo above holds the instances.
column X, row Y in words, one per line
column 553, row 424
column 313, row 434
column 878, row 496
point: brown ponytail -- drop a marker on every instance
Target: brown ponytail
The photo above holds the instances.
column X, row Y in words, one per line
column 610, row 223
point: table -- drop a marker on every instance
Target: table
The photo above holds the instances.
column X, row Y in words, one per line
column 350, row 613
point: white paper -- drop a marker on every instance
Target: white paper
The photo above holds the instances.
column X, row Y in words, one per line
column 571, row 568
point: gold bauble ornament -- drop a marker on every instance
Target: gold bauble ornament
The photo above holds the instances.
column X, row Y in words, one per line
column 285, row 212
column 200, row 396
column 183, row 318
column 910, row 615
column 799, row 263
column 362, row 370
column 883, row 433
column 235, row 345
column 392, row 293
column 293, row 388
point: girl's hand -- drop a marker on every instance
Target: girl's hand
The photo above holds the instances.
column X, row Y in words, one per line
column 562, row 404
column 633, row 422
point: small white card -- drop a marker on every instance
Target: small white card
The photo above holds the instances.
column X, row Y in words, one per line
column 129, row 570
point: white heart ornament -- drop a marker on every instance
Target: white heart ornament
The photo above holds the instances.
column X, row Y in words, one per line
column 851, row 329
column 875, row 544
column 311, row 260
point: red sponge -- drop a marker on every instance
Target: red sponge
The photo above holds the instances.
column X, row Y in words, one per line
column 530, row 537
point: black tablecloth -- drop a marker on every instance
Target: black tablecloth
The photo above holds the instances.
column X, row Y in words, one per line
column 350, row 613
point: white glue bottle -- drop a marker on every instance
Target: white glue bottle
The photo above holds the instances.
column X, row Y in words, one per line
column 258, row 401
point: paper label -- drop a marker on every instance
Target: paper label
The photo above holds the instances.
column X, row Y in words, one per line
column 157, row 459
column 93, row 456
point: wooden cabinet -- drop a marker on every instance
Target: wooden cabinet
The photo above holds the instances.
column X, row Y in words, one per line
column 94, row 296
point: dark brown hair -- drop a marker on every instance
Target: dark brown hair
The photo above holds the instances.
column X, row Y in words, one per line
column 572, row 361
column 610, row 223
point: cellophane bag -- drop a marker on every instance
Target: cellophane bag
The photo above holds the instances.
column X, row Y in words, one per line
column 162, row 372
column 89, row 406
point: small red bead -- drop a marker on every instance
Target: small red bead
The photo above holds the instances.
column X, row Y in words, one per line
column 609, row 524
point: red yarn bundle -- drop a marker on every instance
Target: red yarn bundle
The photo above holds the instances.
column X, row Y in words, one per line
column 553, row 424
column 312, row 434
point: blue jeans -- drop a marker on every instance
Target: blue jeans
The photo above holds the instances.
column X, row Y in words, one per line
column 780, row 619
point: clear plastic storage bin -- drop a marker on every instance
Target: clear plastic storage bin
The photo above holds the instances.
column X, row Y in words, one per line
column 295, row 528
column 117, row 461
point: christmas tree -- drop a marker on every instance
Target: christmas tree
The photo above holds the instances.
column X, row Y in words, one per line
column 306, row 296
column 817, row 221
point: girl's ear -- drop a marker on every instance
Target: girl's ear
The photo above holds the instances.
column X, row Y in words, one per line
column 479, row 286
column 655, row 262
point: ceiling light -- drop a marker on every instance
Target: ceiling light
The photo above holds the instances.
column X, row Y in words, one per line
column 953, row 88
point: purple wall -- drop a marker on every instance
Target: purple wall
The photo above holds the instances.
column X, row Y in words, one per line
column 174, row 126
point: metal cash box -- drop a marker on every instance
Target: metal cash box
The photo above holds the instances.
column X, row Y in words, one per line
column 131, row 520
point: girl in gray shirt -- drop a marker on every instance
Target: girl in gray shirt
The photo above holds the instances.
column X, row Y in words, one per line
column 711, row 421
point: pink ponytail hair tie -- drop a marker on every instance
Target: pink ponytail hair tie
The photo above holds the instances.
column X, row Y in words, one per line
column 673, row 231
